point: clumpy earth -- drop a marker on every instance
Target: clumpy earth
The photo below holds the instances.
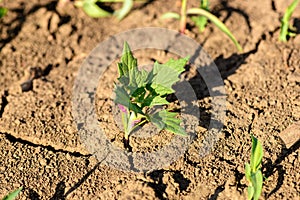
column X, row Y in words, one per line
column 43, row 44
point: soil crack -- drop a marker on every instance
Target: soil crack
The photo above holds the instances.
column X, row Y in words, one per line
column 3, row 102
column 14, row 139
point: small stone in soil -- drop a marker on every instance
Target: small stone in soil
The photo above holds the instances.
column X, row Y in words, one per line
column 291, row 135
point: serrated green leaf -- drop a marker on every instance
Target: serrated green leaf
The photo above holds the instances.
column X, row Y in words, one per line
column 163, row 81
column 257, row 180
column 153, row 100
column 177, row 65
column 137, row 78
column 3, row 11
column 128, row 62
column 165, row 75
column 123, row 98
column 127, row 5
column 166, row 120
column 129, row 75
column 256, row 154
column 170, row 15
column 158, row 101
column 92, row 9
column 13, row 194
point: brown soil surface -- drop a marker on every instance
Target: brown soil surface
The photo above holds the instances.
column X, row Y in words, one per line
column 39, row 145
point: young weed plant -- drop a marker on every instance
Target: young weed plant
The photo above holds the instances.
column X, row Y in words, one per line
column 200, row 16
column 139, row 91
column 13, row 195
column 286, row 30
column 253, row 170
column 91, row 8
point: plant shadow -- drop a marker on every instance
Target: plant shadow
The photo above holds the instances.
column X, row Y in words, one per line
column 160, row 187
column 296, row 24
column 60, row 193
column 271, row 167
column 223, row 6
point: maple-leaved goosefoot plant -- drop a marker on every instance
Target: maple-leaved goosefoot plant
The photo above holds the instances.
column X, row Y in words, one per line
column 138, row 91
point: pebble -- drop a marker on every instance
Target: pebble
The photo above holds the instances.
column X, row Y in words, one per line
column 291, row 135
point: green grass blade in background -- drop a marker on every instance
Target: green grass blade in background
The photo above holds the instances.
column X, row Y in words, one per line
column 92, row 9
column 3, row 12
column 284, row 29
column 217, row 22
column 127, row 5
column 201, row 21
column 170, row 15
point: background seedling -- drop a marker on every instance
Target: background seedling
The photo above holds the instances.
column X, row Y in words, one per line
column 201, row 21
column 91, row 8
column 139, row 91
column 253, row 170
column 3, row 11
column 202, row 15
column 286, row 30
column 13, row 195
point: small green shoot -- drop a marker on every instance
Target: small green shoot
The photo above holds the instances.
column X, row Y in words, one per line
column 202, row 15
column 201, row 21
column 286, row 30
column 139, row 91
column 13, row 195
column 253, row 170
column 3, row 11
column 92, row 9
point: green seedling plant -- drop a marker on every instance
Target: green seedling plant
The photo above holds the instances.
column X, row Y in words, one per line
column 92, row 9
column 286, row 30
column 13, row 195
column 200, row 16
column 3, row 11
column 253, row 170
column 201, row 21
column 139, row 91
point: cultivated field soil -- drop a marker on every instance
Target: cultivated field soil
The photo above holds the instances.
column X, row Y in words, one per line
column 43, row 44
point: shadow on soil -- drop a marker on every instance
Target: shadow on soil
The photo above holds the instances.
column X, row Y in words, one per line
column 218, row 190
column 296, row 24
column 60, row 193
column 270, row 168
column 160, row 188
column 229, row 11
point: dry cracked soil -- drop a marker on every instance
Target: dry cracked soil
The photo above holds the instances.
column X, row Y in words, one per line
column 43, row 44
